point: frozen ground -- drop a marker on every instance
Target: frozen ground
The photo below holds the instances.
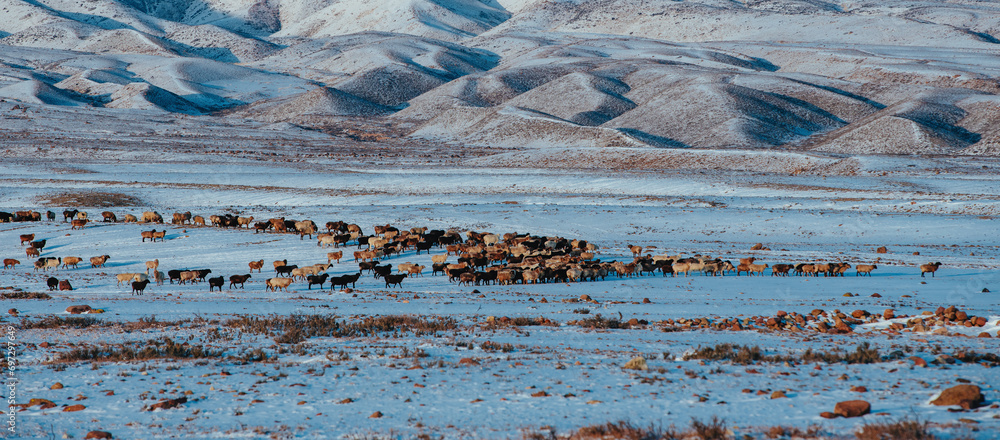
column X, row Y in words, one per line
column 418, row 382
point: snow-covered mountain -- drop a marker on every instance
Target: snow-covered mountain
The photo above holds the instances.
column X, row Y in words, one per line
column 889, row 77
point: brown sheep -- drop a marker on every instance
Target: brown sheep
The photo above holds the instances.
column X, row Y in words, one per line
column 330, row 256
column 129, row 218
column 27, row 238
column 147, row 234
column 159, row 277
column 125, row 277
column 65, row 285
column 636, row 250
column 79, row 223
column 198, row 220
column 99, row 261
column 161, row 235
column 9, row 263
column 189, row 275
column 929, row 268
column 71, row 261
column 279, row 263
column 244, row 221
column 109, row 216
column 31, row 252
column 256, row 265
column 757, row 269
column 274, row 284
column 865, row 269
column 748, row 260
column 152, row 265
column 152, row 217
column 238, row 279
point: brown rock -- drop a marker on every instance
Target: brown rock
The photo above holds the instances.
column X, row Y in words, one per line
column 376, row 415
column 828, row 415
column 888, row 314
column 852, row 408
column 633, row 322
column 918, row 361
column 168, row 404
column 985, row 335
column 980, row 321
column 778, row 395
column 961, row 316
column 56, row 386
column 966, row 396
column 876, row 295
column 98, row 435
column 76, row 310
column 881, row 250
column 44, row 345
column 859, row 389
column 585, row 297
column 74, row 408
column 646, row 301
column 13, row 312
column 781, row 314
column 540, row 394
column 858, row 314
column 468, row 361
column 347, row 400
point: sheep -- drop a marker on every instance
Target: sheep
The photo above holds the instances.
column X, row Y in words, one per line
column 139, row 286
column 780, row 270
column 140, row 277
column 330, row 256
column 463, row 278
column 53, row 283
column 416, row 270
column 299, row 272
column 748, row 260
column 65, row 285
column 178, row 218
column 125, row 277
column 273, row 284
column 636, row 250
column 216, row 282
column 99, row 261
column 684, row 268
column 256, row 265
column 202, row 273
column 278, row 224
column 158, row 277
column 188, row 275
column 31, row 252
column 823, row 268
column 71, row 261
column 27, row 238
column 162, row 235
column 757, row 269
column 261, row 227
column 244, row 221
column 344, row 280
column 78, row 224
column 865, row 269
column 39, row 264
column 39, row 244
column 929, row 267
column 50, row 215
column 109, row 217
column 396, row 280
column 317, row 279
column 69, row 214
column 129, row 218
column 326, row 240
column 152, row 217
column 238, row 279
column 490, row 239
column 740, row 268
column 147, row 234
column 381, row 271
column 438, row 259
column 279, row 263
column 52, row 263
column 9, row 263
column 152, row 265
column 81, row 215
column 838, row 269
column 198, row 220
column 287, row 269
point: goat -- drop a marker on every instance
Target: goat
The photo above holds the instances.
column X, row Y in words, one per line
column 273, row 284
column 140, row 277
column 244, row 221
column 9, row 263
column 330, row 256
column 381, row 271
column 929, row 268
column 256, row 265
column 71, row 261
column 31, row 252
column 188, row 275
column 39, row 244
column 344, row 280
column 109, row 217
column 216, row 282
column 158, row 277
column 198, row 220
column 780, row 269
column 52, row 263
column 139, row 286
column 279, row 263
column 53, row 283
column 397, row 279
column 69, row 214
column 65, row 285
column 865, row 269
column 285, row 270
column 99, row 261
column 81, row 215
column 27, row 238
column 129, row 218
column 636, row 250
column 238, row 279
column 152, row 265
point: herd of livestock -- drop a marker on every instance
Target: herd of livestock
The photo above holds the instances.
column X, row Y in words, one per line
column 480, row 258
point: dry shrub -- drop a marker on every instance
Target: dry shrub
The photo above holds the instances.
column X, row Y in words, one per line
column 164, row 348
column 96, row 199
column 296, row 328
column 494, row 346
column 58, row 322
column 599, row 322
column 903, row 429
column 25, row 295
column 742, row 355
column 778, row 432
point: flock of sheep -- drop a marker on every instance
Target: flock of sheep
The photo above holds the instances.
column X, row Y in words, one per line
column 482, row 258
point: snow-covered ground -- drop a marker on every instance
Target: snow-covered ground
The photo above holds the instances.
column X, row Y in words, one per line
column 419, row 382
